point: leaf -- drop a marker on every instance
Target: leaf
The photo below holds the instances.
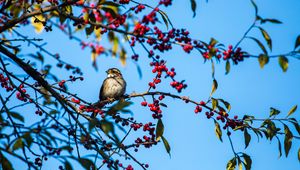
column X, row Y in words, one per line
column 120, row 106
column 247, row 138
column 123, row 56
column 213, row 42
column 231, row 164
column 165, row 18
column 297, row 43
column 18, row 144
column 159, row 129
column 255, row 7
column 89, row 30
column 262, row 47
column 93, row 57
column 214, row 87
column 68, row 166
column 92, row 124
column 287, row 140
column 227, row 67
column 218, row 130
column 299, row 154
column 17, row 116
column 279, row 148
column 267, row 37
column 167, row 145
column 214, row 103
column 263, row 60
column 139, row 70
column 240, row 164
column 293, row 109
column 36, row 22
column 248, row 161
column 283, row 62
column 86, row 163
column 194, row 7
column 274, row 21
column 297, row 127
column 5, row 163
column 106, row 126
column 28, row 139
column 227, row 105
column 274, row 112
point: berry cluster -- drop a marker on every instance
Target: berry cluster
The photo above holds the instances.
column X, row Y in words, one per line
column 123, row 1
column 166, row 2
column 236, row 56
column 151, row 17
column 5, row 83
column 138, row 8
column 140, row 29
column 21, row 95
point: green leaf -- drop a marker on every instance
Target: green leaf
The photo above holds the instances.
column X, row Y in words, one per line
column 218, row 130
column 262, row 47
column 274, row 112
column 263, row 60
column 93, row 123
column 255, row 7
column 159, row 129
column 89, row 30
column 167, row 145
column 28, row 139
column 297, row 43
column 231, row 164
column 5, row 163
column 194, row 7
column 283, row 62
column 165, row 18
column 240, row 164
column 287, row 140
column 267, row 37
column 297, row 127
column 227, row 67
column 214, row 87
column 213, row 42
column 68, row 166
column 18, row 144
column 227, row 105
column 293, row 109
column 17, row 116
column 86, row 163
column 106, row 126
column 214, row 103
column 279, row 148
column 118, row 107
column 247, row 138
column 274, row 21
column 248, row 161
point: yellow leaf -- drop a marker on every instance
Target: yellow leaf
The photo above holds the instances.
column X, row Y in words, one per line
column 94, row 56
column 98, row 34
column 36, row 22
column 123, row 57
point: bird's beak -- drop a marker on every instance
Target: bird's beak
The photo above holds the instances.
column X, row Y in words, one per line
column 106, row 71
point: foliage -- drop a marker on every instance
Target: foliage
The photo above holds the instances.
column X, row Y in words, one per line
column 65, row 126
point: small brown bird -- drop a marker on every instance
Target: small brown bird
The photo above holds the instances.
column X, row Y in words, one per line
column 113, row 87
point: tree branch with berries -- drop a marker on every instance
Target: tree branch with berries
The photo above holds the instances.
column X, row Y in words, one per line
column 60, row 127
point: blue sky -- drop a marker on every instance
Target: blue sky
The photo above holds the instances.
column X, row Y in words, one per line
column 249, row 89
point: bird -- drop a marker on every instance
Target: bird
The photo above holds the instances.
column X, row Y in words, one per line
column 113, row 87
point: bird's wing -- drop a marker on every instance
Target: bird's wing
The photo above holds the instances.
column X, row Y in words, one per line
column 101, row 90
